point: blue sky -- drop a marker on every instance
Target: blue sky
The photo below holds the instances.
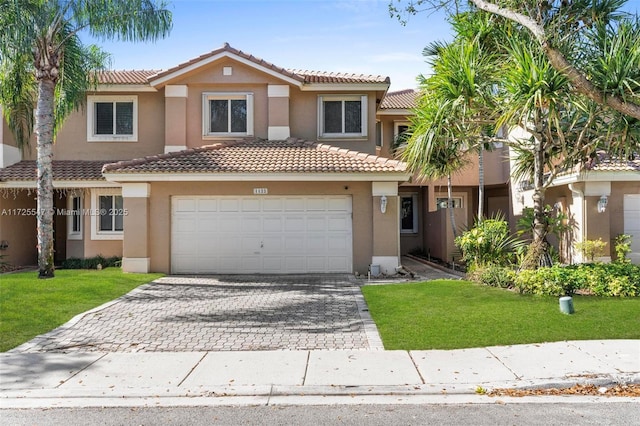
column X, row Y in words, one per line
column 345, row 36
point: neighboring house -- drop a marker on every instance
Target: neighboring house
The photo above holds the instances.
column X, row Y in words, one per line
column 424, row 221
column 602, row 201
column 223, row 164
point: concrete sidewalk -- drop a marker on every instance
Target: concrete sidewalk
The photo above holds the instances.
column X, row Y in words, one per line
column 80, row 379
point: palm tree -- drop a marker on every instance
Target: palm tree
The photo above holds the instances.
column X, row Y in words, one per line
column 454, row 109
column 43, row 60
column 560, row 127
column 433, row 150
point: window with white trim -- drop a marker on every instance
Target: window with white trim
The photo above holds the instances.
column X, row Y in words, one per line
column 107, row 214
column 112, row 118
column 341, row 116
column 379, row 133
column 227, row 114
column 74, row 217
column 409, row 214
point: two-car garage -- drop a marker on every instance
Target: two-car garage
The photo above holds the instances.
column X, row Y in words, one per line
column 261, row 234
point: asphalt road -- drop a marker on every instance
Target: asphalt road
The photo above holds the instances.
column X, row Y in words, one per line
column 625, row 412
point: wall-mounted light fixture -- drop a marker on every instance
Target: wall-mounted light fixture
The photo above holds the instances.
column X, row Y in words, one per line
column 383, row 204
column 602, row 204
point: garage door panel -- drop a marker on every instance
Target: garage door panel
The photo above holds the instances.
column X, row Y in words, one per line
column 294, row 244
column 340, row 224
column 336, row 263
column 207, row 224
column 207, row 205
column 316, row 244
column 294, row 234
column 185, row 205
column 295, row 264
column 316, row 263
column 339, row 204
column 251, row 205
column 272, row 244
column 294, row 204
column 315, row 224
column 294, row 224
column 272, row 204
column 251, row 224
column 338, row 244
column 186, row 224
column 230, row 224
column 272, row 264
column 272, row 224
column 229, row 205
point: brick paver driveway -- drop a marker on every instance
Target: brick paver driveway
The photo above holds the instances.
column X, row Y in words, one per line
column 223, row 313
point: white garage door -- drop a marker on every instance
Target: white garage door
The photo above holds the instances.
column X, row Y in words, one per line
column 265, row 234
column 632, row 224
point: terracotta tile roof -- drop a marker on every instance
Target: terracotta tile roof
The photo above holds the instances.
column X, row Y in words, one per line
column 227, row 48
column 62, row 171
column 126, row 76
column 403, row 99
column 259, row 156
column 303, row 76
column 337, row 77
column 605, row 163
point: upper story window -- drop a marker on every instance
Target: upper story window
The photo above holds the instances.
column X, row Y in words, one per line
column 112, row 119
column 342, row 116
column 227, row 114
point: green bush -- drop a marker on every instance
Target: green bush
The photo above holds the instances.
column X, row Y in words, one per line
column 494, row 276
column 487, row 243
column 609, row 279
column 623, row 248
column 91, row 262
column 591, row 249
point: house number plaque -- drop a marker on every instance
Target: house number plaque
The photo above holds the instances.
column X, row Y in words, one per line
column 260, row 191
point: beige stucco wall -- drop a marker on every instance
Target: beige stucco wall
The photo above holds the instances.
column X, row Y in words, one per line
column 71, row 142
column 18, row 227
column 136, row 242
column 304, row 120
column 176, row 121
column 160, row 208
column 385, row 233
column 278, row 111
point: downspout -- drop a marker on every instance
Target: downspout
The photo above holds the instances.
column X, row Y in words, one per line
column 578, row 219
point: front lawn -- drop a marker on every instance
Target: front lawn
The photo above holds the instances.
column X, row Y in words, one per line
column 29, row 306
column 447, row 314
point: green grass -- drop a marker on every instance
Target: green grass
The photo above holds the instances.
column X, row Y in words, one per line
column 446, row 314
column 29, row 306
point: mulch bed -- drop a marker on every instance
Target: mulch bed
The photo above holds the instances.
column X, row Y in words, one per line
column 631, row 390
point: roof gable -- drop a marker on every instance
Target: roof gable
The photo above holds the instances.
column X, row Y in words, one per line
column 226, row 51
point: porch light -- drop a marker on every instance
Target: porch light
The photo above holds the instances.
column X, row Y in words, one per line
column 383, row 204
column 602, row 204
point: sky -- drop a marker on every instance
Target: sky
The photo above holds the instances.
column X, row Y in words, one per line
column 354, row 36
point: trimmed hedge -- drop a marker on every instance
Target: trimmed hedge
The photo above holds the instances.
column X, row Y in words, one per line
column 599, row 279
column 91, row 262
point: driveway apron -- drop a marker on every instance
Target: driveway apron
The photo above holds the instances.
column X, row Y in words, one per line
column 221, row 313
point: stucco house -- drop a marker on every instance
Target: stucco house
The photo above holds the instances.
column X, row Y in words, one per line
column 222, row 164
column 601, row 201
column 230, row 164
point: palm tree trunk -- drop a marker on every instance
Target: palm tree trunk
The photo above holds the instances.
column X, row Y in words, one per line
column 452, row 215
column 481, row 183
column 44, row 138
